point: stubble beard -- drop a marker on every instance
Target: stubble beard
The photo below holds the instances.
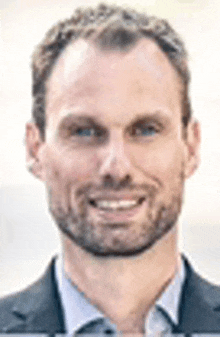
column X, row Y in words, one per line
column 94, row 238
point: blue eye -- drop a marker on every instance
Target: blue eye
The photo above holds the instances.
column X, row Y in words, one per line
column 145, row 131
column 148, row 131
column 88, row 133
column 85, row 132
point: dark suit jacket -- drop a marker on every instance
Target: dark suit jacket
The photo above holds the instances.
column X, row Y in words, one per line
column 37, row 309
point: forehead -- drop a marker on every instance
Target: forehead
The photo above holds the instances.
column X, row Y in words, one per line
column 84, row 75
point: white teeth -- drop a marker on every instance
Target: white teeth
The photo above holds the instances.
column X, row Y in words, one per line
column 116, row 204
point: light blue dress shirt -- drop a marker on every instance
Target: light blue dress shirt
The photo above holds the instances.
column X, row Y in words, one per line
column 81, row 315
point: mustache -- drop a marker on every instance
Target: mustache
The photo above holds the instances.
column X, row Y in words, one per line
column 88, row 189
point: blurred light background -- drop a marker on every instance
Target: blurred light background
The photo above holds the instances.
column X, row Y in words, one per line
column 28, row 237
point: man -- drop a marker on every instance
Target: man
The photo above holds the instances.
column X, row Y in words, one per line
column 114, row 140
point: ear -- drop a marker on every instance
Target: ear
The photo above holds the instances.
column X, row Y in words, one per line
column 193, row 141
column 34, row 144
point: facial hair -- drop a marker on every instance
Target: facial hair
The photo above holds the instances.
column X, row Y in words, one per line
column 161, row 217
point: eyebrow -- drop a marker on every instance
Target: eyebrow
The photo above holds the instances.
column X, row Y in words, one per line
column 72, row 117
column 157, row 116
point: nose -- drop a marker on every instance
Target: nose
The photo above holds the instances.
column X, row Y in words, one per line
column 116, row 166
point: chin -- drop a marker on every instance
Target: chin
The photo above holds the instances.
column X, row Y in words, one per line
column 115, row 246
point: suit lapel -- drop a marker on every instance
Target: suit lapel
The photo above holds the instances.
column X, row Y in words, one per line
column 38, row 309
column 200, row 305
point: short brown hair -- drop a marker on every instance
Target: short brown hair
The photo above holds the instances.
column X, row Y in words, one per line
column 109, row 27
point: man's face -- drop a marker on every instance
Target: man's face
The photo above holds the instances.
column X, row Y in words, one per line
column 114, row 160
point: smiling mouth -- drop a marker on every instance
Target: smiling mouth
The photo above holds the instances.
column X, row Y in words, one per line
column 116, row 205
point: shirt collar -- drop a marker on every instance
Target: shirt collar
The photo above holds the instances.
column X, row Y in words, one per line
column 78, row 310
column 170, row 298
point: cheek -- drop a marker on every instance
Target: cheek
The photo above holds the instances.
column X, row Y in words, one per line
column 164, row 162
column 68, row 167
column 83, row 166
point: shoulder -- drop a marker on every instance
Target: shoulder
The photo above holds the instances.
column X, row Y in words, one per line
column 195, row 284
column 14, row 307
column 8, row 305
column 200, row 304
column 31, row 309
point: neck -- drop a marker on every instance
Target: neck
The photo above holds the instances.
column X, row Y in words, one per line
column 124, row 289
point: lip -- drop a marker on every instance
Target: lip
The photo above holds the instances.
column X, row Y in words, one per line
column 116, row 197
column 118, row 215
